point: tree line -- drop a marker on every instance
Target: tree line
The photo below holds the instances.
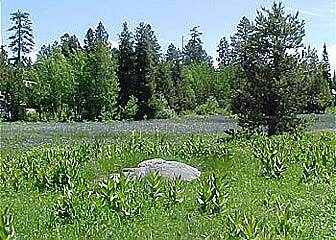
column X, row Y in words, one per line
column 265, row 74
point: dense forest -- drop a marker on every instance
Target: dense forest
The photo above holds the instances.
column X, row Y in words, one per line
column 265, row 74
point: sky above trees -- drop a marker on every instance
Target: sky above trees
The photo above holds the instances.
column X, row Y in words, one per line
column 171, row 19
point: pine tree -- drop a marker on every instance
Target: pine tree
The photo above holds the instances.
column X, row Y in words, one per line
column 126, row 65
column 69, row 45
column 89, row 39
column 173, row 54
column 101, row 34
column 193, row 51
column 268, row 98
column 22, row 40
column 224, row 54
column 146, row 68
column 240, row 42
column 45, row 51
column 326, row 66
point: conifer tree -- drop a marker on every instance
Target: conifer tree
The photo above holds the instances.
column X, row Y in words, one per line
column 193, row 52
column 314, row 92
column 89, row 39
column 326, row 66
column 267, row 100
column 240, row 42
column 146, row 68
column 126, row 65
column 224, row 54
column 69, row 45
column 101, row 34
column 22, row 39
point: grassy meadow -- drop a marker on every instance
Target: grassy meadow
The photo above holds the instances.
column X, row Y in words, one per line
column 55, row 184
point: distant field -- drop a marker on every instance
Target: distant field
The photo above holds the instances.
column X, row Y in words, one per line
column 29, row 134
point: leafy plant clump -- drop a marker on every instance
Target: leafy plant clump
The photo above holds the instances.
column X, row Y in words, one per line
column 7, row 230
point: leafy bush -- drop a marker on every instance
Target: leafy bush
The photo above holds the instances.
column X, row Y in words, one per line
column 331, row 110
column 130, row 110
column 211, row 107
column 162, row 110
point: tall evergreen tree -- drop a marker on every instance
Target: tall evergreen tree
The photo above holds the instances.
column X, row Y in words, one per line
column 126, row 65
column 22, row 40
column 224, row 54
column 101, row 34
column 240, row 42
column 45, row 51
column 69, row 45
column 326, row 66
column 173, row 53
column 89, row 39
column 268, row 99
column 193, row 51
column 146, row 66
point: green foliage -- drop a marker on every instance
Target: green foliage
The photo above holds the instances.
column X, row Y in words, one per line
column 193, row 52
column 267, row 97
column 22, row 40
column 319, row 164
column 211, row 107
column 213, row 194
column 146, row 68
column 326, row 67
column 15, row 92
column 244, row 227
column 315, row 91
column 161, row 108
column 184, row 97
column 7, row 230
column 130, row 110
column 82, row 198
column 102, row 87
column 273, row 160
column 174, row 191
column 224, row 53
column 64, row 208
column 330, row 110
column 206, row 82
column 126, row 65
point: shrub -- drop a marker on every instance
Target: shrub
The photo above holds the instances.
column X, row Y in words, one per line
column 211, row 107
column 130, row 110
column 162, row 110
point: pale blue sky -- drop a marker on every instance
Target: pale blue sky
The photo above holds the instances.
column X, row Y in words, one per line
column 169, row 18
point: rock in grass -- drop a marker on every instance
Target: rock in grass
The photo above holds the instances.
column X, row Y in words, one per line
column 167, row 169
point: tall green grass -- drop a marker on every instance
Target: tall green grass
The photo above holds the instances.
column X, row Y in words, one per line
column 251, row 187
